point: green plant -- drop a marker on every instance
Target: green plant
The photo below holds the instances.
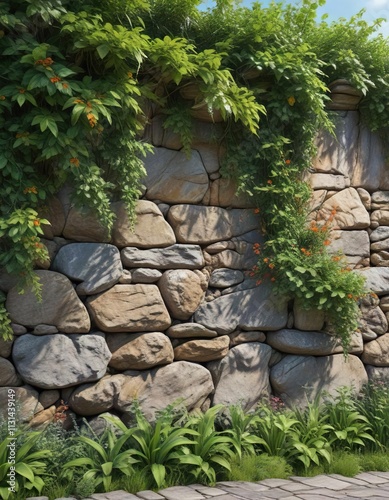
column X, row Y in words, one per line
column 351, row 429
column 259, row 467
column 373, row 404
column 276, row 431
column 378, row 461
column 157, row 446
column 211, row 449
column 106, row 458
column 21, row 464
column 311, row 437
column 241, row 427
column 345, row 463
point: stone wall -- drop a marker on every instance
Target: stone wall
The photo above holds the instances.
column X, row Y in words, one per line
column 170, row 310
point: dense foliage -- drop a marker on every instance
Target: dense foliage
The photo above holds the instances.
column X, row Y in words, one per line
column 334, row 435
column 76, row 78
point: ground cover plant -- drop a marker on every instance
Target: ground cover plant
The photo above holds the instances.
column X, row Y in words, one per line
column 76, row 78
column 329, row 435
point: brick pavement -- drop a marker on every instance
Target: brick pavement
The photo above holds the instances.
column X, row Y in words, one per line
column 365, row 486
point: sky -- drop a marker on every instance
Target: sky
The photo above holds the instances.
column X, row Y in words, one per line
column 340, row 8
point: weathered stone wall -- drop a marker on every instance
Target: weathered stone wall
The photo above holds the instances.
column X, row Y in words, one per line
column 169, row 310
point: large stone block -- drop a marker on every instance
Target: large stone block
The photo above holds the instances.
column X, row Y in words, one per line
column 149, row 231
column 25, row 399
column 8, row 375
column 129, row 308
column 96, row 265
column 350, row 243
column 377, row 279
column 92, row 399
column 299, row 379
column 173, row 257
column 182, row 290
column 252, row 309
column 155, row 389
column 311, row 343
column 58, row 361
column 172, row 177
column 242, row 377
column 204, row 225
column 376, row 352
column 84, row 225
column 202, row 350
column 139, row 351
column 349, row 210
column 60, row 305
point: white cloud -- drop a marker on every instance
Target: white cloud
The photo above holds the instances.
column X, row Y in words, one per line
column 378, row 4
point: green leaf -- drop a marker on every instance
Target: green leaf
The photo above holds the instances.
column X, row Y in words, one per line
column 103, row 50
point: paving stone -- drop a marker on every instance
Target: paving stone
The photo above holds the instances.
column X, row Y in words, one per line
column 371, row 478
column 324, row 493
column 274, row 482
column 231, row 497
column 322, row 481
column 180, row 493
column 149, row 495
column 114, row 495
column 381, row 474
column 37, row 498
column 243, row 484
column 295, row 487
column 245, row 493
column 311, row 496
column 275, row 493
column 206, row 490
column 351, row 480
column 366, row 493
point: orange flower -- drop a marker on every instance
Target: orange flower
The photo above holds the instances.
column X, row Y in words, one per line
column 269, row 181
column 31, row 189
column 65, row 86
column 349, row 296
column 256, row 210
column 287, row 162
column 326, row 242
column 266, row 260
column 55, row 79
column 47, row 62
column 272, row 279
column 91, row 119
column 272, row 266
column 336, row 259
column 291, row 100
column 36, row 222
column 75, row 162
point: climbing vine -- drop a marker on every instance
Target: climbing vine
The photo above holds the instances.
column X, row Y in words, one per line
column 75, row 77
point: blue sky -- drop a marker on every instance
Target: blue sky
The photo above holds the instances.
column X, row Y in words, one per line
column 341, row 8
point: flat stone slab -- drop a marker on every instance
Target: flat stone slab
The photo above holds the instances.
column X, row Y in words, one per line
column 58, row 361
column 371, row 478
column 96, row 265
column 322, row 481
column 173, row 257
column 114, row 495
column 253, row 309
column 223, row 278
column 129, row 308
column 181, row 493
column 149, row 495
column 377, row 279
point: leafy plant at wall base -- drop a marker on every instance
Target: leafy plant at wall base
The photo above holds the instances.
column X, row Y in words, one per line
column 351, row 429
column 241, row 427
column 29, row 465
column 106, row 459
column 311, row 439
column 157, row 446
column 212, row 449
